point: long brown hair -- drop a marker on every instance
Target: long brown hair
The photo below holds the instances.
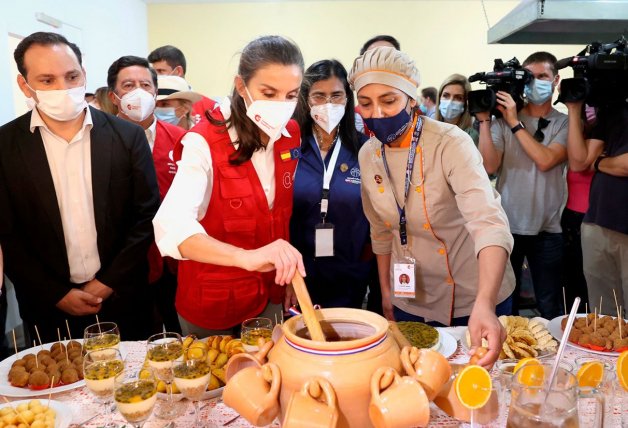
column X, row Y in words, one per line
column 456, row 79
column 257, row 54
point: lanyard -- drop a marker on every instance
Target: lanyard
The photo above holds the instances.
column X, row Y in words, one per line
column 403, row 234
column 328, row 171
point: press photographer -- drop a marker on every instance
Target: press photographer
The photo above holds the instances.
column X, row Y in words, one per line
column 601, row 79
column 526, row 149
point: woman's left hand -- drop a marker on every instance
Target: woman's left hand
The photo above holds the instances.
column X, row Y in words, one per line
column 483, row 323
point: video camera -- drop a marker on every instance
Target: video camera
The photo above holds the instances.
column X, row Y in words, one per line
column 600, row 75
column 507, row 76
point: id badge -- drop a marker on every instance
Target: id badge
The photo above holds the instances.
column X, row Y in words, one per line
column 404, row 284
column 324, row 240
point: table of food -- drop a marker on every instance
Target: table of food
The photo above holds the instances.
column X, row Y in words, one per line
column 368, row 372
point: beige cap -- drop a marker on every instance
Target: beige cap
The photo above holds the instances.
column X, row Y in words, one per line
column 388, row 66
column 175, row 88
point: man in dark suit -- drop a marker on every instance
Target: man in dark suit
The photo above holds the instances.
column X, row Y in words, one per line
column 78, row 192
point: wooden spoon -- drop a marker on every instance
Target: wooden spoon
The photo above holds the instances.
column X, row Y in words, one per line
column 309, row 315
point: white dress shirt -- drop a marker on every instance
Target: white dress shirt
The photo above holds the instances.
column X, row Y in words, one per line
column 187, row 200
column 151, row 133
column 71, row 168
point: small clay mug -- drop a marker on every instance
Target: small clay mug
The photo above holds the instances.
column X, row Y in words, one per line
column 253, row 392
column 430, row 368
column 397, row 402
column 314, row 406
column 243, row 360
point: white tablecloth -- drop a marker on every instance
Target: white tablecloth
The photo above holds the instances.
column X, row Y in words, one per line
column 214, row 413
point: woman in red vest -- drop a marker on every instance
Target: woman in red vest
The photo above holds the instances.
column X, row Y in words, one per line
column 226, row 216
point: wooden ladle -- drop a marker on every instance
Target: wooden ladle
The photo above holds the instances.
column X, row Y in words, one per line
column 307, row 309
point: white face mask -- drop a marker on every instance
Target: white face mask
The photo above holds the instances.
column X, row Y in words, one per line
column 270, row 116
column 137, row 104
column 31, row 103
column 60, row 104
column 327, row 116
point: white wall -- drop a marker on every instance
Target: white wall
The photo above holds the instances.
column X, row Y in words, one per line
column 103, row 29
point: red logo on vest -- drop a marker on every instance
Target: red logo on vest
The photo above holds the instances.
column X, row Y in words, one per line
column 287, row 180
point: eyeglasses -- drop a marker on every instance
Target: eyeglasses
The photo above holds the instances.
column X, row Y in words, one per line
column 318, row 99
column 539, row 135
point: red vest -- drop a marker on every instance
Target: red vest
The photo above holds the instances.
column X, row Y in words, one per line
column 200, row 107
column 166, row 135
column 219, row 297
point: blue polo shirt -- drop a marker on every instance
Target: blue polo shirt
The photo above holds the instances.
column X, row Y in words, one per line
column 341, row 280
column 608, row 198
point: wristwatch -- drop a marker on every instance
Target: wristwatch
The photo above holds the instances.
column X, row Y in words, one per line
column 517, row 127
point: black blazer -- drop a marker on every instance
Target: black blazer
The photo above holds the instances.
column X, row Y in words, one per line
column 126, row 199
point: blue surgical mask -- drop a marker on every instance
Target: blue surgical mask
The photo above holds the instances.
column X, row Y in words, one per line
column 450, row 110
column 388, row 129
column 538, row 91
column 423, row 108
column 167, row 114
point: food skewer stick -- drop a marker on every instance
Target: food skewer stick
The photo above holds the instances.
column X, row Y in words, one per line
column 14, row 343
column 52, row 382
column 19, row 415
column 59, row 334
column 36, row 356
column 594, row 320
column 586, row 314
column 618, row 317
column 276, row 318
column 68, row 327
column 600, row 311
column 98, row 323
column 38, row 337
column 564, row 301
column 618, row 313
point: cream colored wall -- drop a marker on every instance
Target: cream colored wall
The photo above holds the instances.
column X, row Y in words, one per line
column 443, row 36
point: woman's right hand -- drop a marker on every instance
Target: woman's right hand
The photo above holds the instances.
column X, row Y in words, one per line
column 279, row 255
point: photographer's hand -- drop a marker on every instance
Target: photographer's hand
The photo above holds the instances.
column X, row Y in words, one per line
column 507, row 106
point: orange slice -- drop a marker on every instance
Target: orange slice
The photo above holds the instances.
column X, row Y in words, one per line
column 590, row 374
column 525, row 361
column 473, row 387
column 531, row 374
column 622, row 370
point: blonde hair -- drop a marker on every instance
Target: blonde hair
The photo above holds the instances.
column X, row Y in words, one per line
column 465, row 120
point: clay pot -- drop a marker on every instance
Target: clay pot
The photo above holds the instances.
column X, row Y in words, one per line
column 358, row 344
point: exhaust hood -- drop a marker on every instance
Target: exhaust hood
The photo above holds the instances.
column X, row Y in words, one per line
column 562, row 22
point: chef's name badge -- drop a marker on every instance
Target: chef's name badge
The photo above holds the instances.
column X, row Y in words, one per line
column 404, row 280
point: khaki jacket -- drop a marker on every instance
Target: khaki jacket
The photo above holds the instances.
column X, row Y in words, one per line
column 452, row 213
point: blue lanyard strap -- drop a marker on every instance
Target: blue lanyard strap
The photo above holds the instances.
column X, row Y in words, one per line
column 416, row 135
